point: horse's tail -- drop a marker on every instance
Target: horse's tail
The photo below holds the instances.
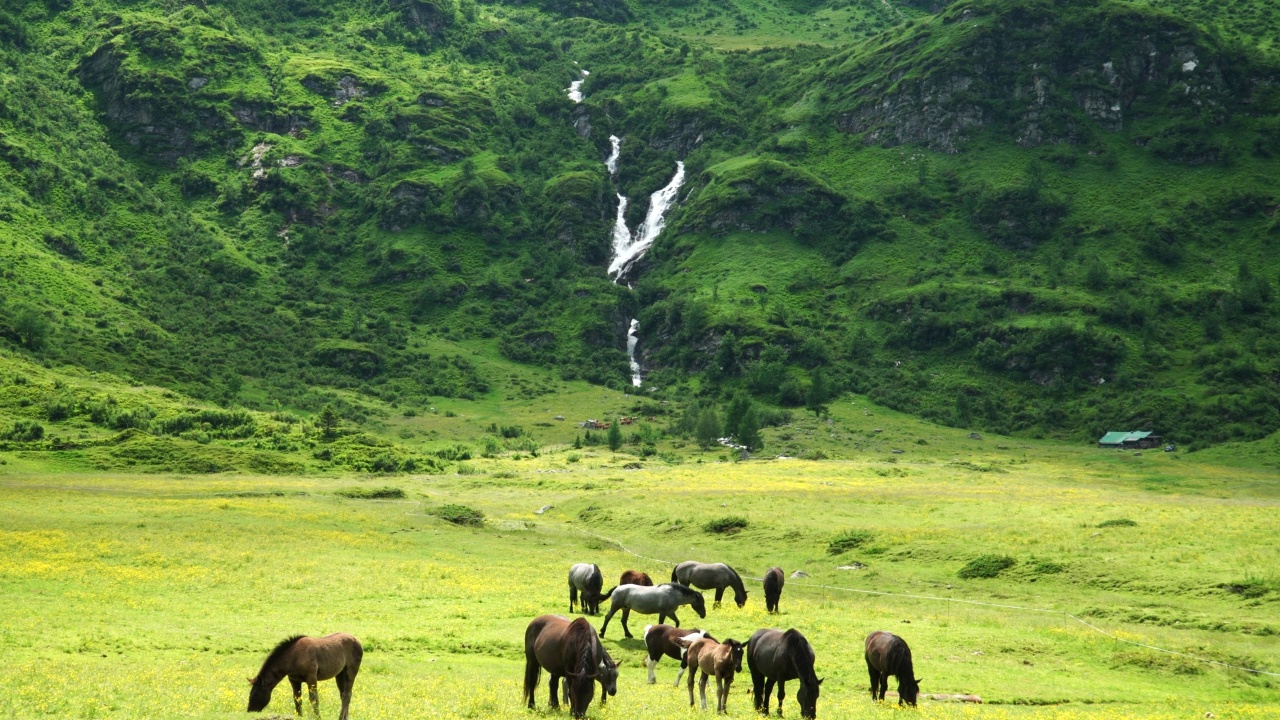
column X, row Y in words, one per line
column 531, row 672
column 647, row 628
column 607, row 595
column 673, row 574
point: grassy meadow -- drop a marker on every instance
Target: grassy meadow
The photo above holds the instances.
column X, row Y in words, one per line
column 146, row 596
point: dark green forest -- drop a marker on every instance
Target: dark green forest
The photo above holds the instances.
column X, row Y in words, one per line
column 1039, row 217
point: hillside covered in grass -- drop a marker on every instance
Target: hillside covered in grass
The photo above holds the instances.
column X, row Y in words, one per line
column 1048, row 218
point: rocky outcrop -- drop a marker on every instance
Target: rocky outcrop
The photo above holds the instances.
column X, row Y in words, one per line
column 1045, row 72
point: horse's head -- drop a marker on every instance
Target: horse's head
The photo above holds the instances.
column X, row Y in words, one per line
column 259, row 693
column 699, row 605
column 580, row 685
column 908, row 691
column 607, row 674
column 740, row 597
column 736, row 651
column 808, row 699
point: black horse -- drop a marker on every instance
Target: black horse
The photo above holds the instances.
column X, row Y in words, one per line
column 773, row 582
column 887, row 654
column 776, row 656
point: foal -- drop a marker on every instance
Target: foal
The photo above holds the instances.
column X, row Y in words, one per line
column 308, row 659
column 713, row 658
column 662, row 640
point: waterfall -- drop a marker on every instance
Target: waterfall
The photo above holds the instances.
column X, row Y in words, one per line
column 621, row 234
column 626, row 254
column 575, row 88
column 632, row 338
column 611, row 163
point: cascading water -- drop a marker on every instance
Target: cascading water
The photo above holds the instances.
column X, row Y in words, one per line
column 632, row 339
column 611, row 162
column 575, row 88
column 626, row 254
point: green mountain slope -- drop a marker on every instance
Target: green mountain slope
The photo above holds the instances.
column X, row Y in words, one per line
column 1011, row 214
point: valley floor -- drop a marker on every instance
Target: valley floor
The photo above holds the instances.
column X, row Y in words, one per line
column 155, row 596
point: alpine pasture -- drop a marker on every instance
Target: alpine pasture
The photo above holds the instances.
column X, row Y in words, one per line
column 148, row 596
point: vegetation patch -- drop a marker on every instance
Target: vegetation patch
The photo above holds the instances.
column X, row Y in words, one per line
column 1118, row 522
column 848, row 540
column 459, row 515
column 382, row 493
column 986, row 566
column 727, row 525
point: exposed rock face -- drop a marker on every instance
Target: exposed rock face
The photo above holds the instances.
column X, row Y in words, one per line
column 1049, row 77
column 148, row 124
column 430, row 15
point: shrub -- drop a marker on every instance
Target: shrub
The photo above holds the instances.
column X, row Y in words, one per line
column 60, row 408
column 986, row 566
column 1118, row 522
column 382, row 493
column 573, row 457
column 1047, row 567
column 727, row 525
column 24, row 431
column 848, row 540
column 460, row 515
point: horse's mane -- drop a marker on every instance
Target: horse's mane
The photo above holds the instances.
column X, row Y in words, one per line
column 797, row 649
column 686, row 591
column 580, row 637
column 278, row 650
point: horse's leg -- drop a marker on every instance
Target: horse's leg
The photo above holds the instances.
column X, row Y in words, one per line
column 875, row 680
column 555, row 691
column 782, row 692
column 314, row 694
column 607, row 618
column 626, row 613
column 719, row 596
column 675, row 619
column 762, row 705
column 573, row 597
column 757, row 686
column 345, row 681
column 297, row 694
column 884, row 684
column 692, row 675
column 702, row 690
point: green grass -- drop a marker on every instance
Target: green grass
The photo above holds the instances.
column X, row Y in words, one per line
column 114, row 581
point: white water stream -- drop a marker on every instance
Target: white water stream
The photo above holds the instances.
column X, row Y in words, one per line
column 632, row 339
column 575, row 88
column 611, row 162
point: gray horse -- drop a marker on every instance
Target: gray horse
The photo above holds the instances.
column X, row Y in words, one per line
column 710, row 576
column 661, row 600
column 587, row 578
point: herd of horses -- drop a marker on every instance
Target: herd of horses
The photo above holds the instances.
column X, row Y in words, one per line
column 573, row 655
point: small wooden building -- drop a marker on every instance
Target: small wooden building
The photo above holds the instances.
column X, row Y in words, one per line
column 1129, row 440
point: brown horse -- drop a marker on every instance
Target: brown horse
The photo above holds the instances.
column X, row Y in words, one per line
column 310, row 660
column 887, row 654
column 635, row 577
column 773, row 582
column 662, row 640
column 568, row 650
column 719, row 659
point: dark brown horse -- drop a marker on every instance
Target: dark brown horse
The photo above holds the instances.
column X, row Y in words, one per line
column 310, row 660
column 776, row 656
column 567, row 650
column 773, row 582
column 662, row 640
column 635, row 577
column 887, row 654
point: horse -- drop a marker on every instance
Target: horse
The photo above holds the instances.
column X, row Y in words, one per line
column 569, row 650
column 663, row 640
column 773, row 582
column 887, row 654
column 776, row 656
column 661, row 599
column 707, row 576
column 310, row 660
column 635, row 577
column 587, row 578
column 608, row 679
column 719, row 659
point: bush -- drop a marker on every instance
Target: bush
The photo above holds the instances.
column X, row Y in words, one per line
column 60, row 408
column 1046, row 567
column 460, row 515
column 986, row 566
column 24, row 431
column 848, row 540
column 1118, row 522
column 728, row 525
column 382, row 493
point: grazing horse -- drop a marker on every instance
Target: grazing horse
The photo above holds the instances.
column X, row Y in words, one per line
column 719, row 659
column 773, row 582
column 569, row 650
column 608, row 679
column 708, row 576
column 587, row 578
column 887, row 654
column 661, row 600
column 310, row 660
column 776, row 656
column 635, row 577
column 664, row 640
